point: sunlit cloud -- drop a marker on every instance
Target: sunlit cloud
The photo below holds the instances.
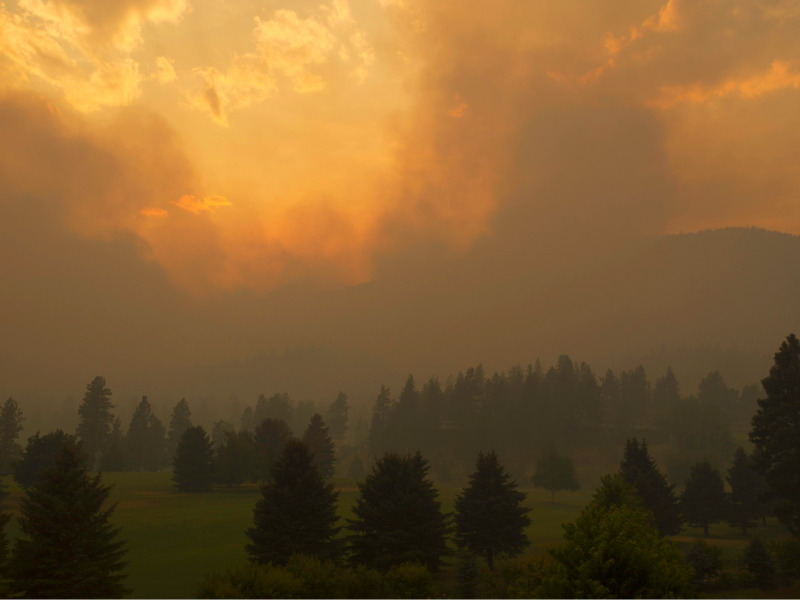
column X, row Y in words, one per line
column 196, row 205
column 158, row 213
column 165, row 70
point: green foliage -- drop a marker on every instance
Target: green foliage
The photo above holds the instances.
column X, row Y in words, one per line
column 193, row 469
column 775, row 435
column 96, row 420
column 180, row 420
column 310, row 577
column 269, row 439
column 490, row 518
column 69, row 548
column 10, row 427
column 320, row 445
column 467, row 575
column 613, row 551
column 296, row 513
column 39, row 455
column 745, row 504
column 398, row 516
column 760, row 563
column 657, row 495
column 705, row 559
column 555, row 473
column 703, row 498
column 337, row 416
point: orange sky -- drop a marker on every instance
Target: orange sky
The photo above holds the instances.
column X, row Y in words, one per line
column 253, row 143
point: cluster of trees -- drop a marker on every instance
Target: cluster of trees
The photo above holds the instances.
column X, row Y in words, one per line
column 522, row 411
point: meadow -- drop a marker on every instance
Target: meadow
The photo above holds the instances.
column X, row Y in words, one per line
column 174, row 539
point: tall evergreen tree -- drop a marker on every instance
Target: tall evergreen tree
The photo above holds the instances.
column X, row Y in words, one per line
column 555, row 473
column 10, row 427
column 490, row 518
column 115, row 458
column 96, row 420
column 381, row 438
column 398, row 516
column 40, row 455
column 745, row 504
column 180, row 420
column 703, row 498
column 337, row 416
column 193, row 469
column 70, row 549
column 775, row 433
column 269, row 439
column 296, row 513
column 234, row 461
column 320, row 445
column 658, row 496
column 145, row 439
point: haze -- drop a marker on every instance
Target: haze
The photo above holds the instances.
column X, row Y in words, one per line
column 233, row 197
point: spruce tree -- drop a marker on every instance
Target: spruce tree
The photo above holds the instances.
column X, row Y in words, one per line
column 193, row 469
column 96, row 420
column 179, row 422
column 555, row 473
column 10, row 427
column 296, row 513
column 320, row 445
column 658, row 496
column 337, row 416
column 269, row 439
column 760, row 563
column 745, row 505
column 138, row 438
column 69, row 548
column 234, row 460
column 703, row 498
column 398, row 516
column 490, row 518
column 40, row 455
column 775, row 436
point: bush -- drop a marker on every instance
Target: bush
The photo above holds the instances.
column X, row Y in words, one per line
column 760, row 563
column 706, row 560
column 787, row 553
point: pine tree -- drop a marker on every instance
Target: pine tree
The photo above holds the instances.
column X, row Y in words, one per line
column 234, row 461
column 467, row 575
column 381, row 438
column 296, row 513
column 760, row 563
column 96, row 420
column 193, row 469
column 70, row 549
column 179, row 422
column 320, row 445
column 115, row 458
column 658, row 496
column 703, row 498
column 10, row 427
column 555, row 473
column 774, row 433
column 270, row 437
column 138, row 435
column 337, row 416
column 745, row 505
column 490, row 518
column 40, row 455
column 398, row 516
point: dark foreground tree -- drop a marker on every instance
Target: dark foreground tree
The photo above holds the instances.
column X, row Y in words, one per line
column 296, row 513
column 490, row 518
column 613, row 551
column 555, row 473
column 234, row 461
column 193, row 469
column 39, row 455
column 96, row 420
column 775, row 433
column 745, row 504
column 703, row 498
column 398, row 516
column 69, row 548
column 658, row 496
column 320, row 445
column 10, row 426
column 760, row 563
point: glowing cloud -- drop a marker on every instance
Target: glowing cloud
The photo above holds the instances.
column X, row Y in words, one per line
column 196, row 205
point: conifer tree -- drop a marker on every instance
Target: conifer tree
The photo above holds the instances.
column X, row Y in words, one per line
column 398, row 516
column 658, row 496
column 320, row 445
column 381, row 438
column 760, row 563
column 774, row 433
column 703, row 498
column 296, row 513
column 269, row 439
column 69, row 548
column 40, row 455
column 745, row 505
column 490, row 518
column 337, row 416
column 115, row 458
column 234, row 461
column 10, row 427
column 179, row 422
column 555, row 473
column 96, row 420
column 145, row 439
column 193, row 469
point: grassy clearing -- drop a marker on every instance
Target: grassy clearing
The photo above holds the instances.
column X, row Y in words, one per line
column 174, row 538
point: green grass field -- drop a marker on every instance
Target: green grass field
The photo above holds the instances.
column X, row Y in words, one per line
column 175, row 538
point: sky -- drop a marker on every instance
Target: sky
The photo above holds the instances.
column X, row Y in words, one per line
column 198, row 181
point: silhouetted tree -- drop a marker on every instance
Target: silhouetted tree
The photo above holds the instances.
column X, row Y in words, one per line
column 70, row 549
column 490, row 518
column 296, row 513
column 745, row 505
column 5, row 580
column 703, row 498
column 269, row 439
column 337, row 416
column 658, row 496
column 760, row 563
column 193, row 469
column 277, row 406
column 320, row 445
column 10, row 427
column 96, row 420
column 40, row 455
column 398, row 517
column 467, row 575
column 220, row 431
column 180, row 420
column 555, row 473
column 145, row 439
column 380, row 431
column 115, row 458
column 234, row 461
column 775, row 433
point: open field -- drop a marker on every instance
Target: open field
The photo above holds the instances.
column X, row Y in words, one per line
column 174, row 538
